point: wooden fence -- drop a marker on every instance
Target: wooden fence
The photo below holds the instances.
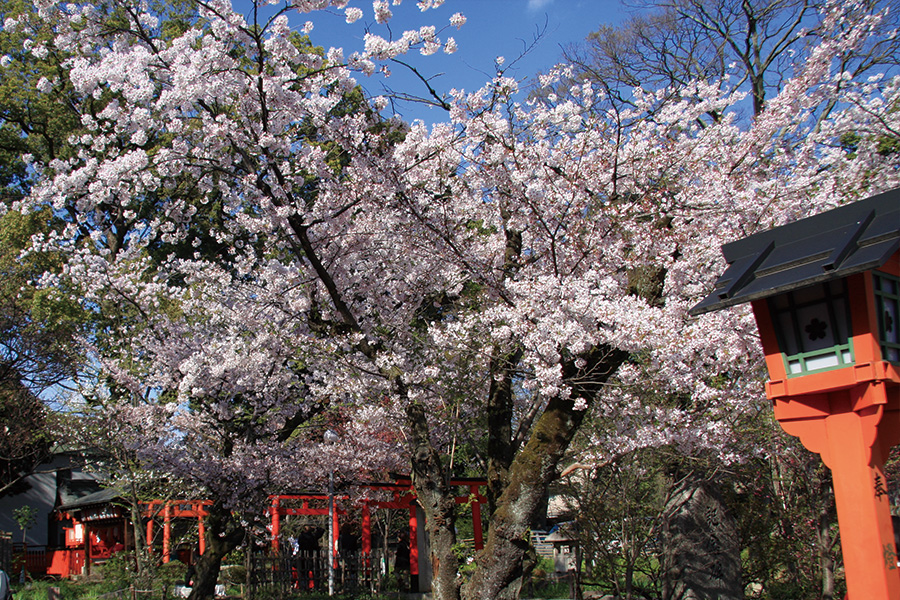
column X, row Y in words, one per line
column 307, row 571
column 36, row 559
column 131, row 593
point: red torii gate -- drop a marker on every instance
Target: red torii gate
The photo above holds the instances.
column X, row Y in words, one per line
column 175, row 509
column 278, row 510
column 80, row 549
column 404, row 498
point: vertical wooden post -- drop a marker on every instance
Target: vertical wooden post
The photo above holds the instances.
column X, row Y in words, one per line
column 149, row 538
column 476, row 520
column 335, row 536
column 201, row 527
column 167, row 531
column 366, row 562
column 276, row 522
column 864, row 513
column 845, row 428
column 413, row 548
column 366, row 529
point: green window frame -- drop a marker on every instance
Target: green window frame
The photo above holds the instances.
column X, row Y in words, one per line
column 814, row 328
column 887, row 307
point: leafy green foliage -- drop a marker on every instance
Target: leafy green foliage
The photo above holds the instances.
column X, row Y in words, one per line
column 25, row 516
column 31, row 122
column 37, row 325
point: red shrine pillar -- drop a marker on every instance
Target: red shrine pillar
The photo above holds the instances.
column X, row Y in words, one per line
column 276, row 522
column 366, row 530
column 851, row 418
column 366, row 540
column 413, row 548
column 167, row 531
column 201, row 528
column 335, row 536
column 149, row 538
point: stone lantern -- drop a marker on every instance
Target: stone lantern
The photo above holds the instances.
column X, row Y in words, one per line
column 565, row 551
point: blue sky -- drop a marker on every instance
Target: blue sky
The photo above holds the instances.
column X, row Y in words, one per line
column 493, row 28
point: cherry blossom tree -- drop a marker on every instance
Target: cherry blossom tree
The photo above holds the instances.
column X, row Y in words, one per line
column 668, row 43
column 220, row 418
column 501, row 273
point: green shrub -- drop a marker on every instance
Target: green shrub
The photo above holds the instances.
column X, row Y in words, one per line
column 70, row 590
column 233, row 574
column 170, row 573
column 117, row 572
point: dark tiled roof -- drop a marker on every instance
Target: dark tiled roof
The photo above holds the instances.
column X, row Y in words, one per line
column 831, row 245
column 74, row 489
column 102, row 497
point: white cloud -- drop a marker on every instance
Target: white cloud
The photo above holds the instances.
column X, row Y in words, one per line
column 536, row 5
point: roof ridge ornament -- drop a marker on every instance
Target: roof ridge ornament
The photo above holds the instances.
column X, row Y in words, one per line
column 843, row 249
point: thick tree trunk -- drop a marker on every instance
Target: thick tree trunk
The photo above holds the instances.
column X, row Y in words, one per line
column 437, row 501
column 500, row 566
column 223, row 534
column 701, row 551
column 500, row 448
column 825, row 539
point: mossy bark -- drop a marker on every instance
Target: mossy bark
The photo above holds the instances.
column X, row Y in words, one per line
column 501, row 565
column 500, row 447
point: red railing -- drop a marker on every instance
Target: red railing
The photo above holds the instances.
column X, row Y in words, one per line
column 35, row 558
